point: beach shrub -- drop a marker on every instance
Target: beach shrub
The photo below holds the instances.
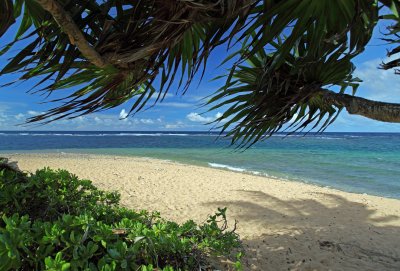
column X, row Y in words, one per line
column 49, row 193
column 52, row 220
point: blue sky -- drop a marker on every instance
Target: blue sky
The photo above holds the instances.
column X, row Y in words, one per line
column 183, row 113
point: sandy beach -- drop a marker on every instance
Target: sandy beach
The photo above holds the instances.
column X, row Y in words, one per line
column 284, row 225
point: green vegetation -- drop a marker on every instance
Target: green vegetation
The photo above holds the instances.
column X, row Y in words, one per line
column 51, row 220
column 290, row 62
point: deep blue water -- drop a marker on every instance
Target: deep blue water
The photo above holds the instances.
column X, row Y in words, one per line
column 355, row 162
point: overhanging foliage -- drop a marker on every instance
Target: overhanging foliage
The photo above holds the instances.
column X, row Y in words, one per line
column 111, row 52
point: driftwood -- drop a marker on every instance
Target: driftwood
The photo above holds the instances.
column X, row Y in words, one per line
column 5, row 164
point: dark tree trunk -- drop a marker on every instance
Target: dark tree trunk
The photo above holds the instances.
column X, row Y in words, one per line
column 387, row 112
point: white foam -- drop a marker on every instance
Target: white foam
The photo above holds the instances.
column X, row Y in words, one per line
column 61, row 134
column 238, row 169
column 327, row 137
column 215, row 165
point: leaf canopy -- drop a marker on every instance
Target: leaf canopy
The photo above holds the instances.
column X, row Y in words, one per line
column 290, row 51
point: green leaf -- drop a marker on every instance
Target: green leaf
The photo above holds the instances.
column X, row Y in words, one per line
column 65, row 267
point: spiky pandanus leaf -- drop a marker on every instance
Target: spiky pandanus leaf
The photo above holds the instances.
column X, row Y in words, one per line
column 393, row 36
column 342, row 23
column 112, row 51
column 138, row 41
column 309, row 49
column 7, row 16
column 262, row 99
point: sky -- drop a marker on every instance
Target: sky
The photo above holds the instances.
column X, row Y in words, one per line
column 185, row 113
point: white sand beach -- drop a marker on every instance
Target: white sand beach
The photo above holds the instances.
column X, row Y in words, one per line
column 284, row 225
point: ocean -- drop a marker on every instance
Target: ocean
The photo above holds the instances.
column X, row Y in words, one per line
column 354, row 162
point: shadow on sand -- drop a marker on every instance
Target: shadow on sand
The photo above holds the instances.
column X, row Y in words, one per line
column 305, row 234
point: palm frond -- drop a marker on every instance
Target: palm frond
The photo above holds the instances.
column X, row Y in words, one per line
column 263, row 98
column 393, row 36
column 7, row 16
column 291, row 51
column 342, row 23
column 139, row 41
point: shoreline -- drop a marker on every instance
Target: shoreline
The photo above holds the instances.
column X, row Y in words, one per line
column 208, row 166
column 284, row 225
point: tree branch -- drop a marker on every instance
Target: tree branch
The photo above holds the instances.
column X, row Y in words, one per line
column 387, row 112
column 7, row 18
column 76, row 37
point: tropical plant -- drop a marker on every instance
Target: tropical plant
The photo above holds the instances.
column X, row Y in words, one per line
column 112, row 51
column 52, row 220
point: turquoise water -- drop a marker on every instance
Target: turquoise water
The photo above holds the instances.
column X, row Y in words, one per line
column 354, row 162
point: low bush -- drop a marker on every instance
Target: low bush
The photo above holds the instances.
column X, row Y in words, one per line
column 52, row 220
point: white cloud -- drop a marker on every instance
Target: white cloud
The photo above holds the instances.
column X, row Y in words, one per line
column 97, row 120
column 195, row 117
column 176, row 104
column 123, row 114
column 33, row 113
column 9, row 120
column 176, row 125
column 20, row 116
column 378, row 84
column 166, row 96
column 218, row 115
column 146, row 121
